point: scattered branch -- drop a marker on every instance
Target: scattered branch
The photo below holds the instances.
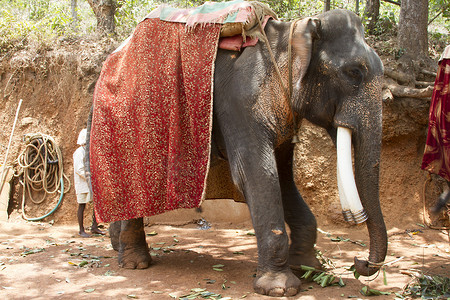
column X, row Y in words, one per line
column 437, row 15
column 393, row 2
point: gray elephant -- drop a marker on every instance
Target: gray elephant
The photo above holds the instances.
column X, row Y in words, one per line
column 336, row 84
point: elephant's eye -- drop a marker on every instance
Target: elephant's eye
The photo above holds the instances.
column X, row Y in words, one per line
column 354, row 75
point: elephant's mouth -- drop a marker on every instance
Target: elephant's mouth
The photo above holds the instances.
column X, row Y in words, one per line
column 352, row 208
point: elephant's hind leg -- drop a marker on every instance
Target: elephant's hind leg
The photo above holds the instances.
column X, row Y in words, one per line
column 114, row 234
column 133, row 249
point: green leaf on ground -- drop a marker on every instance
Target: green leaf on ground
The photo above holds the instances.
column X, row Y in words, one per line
column 83, row 263
column 366, row 291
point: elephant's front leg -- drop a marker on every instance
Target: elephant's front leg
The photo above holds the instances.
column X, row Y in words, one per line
column 133, row 248
column 297, row 214
column 256, row 175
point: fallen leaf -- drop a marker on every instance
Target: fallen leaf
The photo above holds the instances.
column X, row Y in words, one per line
column 366, row 291
column 210, row 281
column 89, row 290
column 83, row 263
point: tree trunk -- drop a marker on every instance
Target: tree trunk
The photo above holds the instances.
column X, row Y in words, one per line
column 327, row 5
column 357, row 7
column 104, row 11
column 371, row 13
column 73, row 10
column 412, row 30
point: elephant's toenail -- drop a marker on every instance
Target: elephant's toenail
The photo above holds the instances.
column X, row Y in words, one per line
column 291, row 292
column 276, row 292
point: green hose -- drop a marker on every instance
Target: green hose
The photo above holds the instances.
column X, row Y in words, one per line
column 47, row 214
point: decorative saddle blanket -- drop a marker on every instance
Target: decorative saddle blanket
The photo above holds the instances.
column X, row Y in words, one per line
column 151, row 128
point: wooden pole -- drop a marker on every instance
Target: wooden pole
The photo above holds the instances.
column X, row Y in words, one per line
column 9, row 144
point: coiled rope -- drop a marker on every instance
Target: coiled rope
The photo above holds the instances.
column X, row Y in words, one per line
column 41, row 164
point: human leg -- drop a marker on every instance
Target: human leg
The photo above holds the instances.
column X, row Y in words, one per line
column 94, row 227
column 80, row 216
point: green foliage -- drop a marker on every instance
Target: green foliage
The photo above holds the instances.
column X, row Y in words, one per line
column 428, row 287
column 436, row 6
column 321, row 277
column 130, row 12
column 25, row 21
column 439, row 13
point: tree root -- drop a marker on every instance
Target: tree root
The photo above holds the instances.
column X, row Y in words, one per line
column 408, row 92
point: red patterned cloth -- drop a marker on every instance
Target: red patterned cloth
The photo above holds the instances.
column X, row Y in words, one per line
column 151, row 128
column 436, row 158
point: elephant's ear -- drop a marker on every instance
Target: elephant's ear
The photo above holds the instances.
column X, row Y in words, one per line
column 302, row 40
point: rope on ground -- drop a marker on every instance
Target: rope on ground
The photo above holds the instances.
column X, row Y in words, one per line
column 41, row 165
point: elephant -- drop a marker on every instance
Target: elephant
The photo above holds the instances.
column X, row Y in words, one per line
column 335, row 83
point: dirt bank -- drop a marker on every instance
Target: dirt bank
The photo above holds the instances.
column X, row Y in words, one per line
column 56, row 86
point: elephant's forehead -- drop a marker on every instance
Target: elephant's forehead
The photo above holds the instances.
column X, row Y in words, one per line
column 339, row 23
column 357, row 52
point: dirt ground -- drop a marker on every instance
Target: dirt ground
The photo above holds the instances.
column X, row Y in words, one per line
column 47, row 259
column 44, row 261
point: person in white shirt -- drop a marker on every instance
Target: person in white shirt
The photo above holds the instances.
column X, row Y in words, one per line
column 81, row 186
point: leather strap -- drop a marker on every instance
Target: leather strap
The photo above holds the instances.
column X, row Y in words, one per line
column 289, row 89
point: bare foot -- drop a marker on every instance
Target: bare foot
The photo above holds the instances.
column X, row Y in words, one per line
column 97, row 231
column 84, row 234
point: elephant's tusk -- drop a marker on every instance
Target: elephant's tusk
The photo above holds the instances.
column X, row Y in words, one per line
column 344, row 204
column 348, row 193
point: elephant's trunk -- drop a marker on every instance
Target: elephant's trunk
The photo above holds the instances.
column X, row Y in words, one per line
column 367, row 146
column 360, row 194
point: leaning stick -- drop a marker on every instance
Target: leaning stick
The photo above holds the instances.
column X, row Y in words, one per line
column 9, row 144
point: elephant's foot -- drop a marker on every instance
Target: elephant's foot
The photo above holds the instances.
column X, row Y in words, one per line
column 277, row 284
column 300, row 258
column 114, row 234
column 135, row 258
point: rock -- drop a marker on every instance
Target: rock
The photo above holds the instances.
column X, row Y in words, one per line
column 28, row 121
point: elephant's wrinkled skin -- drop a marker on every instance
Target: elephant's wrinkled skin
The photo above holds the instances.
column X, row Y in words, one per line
column 336, row 82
